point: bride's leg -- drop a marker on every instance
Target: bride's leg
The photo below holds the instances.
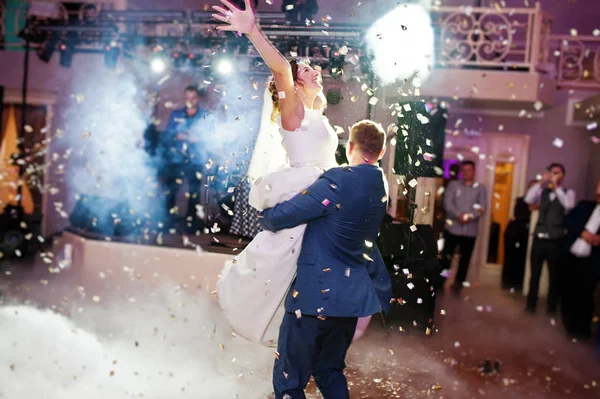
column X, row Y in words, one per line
column 361, row 327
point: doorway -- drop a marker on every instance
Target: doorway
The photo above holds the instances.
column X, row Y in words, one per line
column 501, row 210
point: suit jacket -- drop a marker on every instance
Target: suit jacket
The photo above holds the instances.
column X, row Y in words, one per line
column 575, row 223
column 340, row 270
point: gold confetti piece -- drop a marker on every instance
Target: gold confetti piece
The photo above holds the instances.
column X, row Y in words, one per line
column 401, row 329
column 443, row 312
column 321, row 318
column 384, row 198
column 276, row 355
column 304, row 192
column 222, row 346
column 354, row 98
column 436, row 387
column 325, row 291
column 327, row 269
column 295, row 294
column 391, row 352
column 428, row 331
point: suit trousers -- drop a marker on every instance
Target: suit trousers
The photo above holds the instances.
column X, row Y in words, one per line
column 548, row 250
column 466, row 245
column 577, row 295
column 311, row 346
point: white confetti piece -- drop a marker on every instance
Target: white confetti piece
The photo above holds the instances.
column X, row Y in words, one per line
column 281, row 95
column 538, row 105
column 413, row 183
column 410, row 286
column 558, row 142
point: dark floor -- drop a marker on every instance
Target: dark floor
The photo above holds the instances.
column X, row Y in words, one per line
column 536, row 358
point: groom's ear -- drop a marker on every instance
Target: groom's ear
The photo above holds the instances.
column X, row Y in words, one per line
column 382, row 153
column 350, row 147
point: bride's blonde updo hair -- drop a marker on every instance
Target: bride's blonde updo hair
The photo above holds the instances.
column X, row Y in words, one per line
column 275, row 93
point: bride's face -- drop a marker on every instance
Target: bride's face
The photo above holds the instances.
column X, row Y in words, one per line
column 308, row 78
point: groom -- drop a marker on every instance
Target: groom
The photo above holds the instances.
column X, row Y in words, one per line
column 340, row 276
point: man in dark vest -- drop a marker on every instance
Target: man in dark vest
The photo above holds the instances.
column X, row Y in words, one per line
column 554, row 202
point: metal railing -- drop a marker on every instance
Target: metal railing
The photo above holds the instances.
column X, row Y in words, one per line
column 515, row 38
column 577, row 61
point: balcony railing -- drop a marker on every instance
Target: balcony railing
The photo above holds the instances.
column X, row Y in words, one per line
column 495, row 38
column 577, row 61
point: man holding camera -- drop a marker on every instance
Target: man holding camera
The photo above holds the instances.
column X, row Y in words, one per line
column 553, row 202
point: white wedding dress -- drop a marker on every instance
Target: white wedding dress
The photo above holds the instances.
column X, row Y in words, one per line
column 252, row 286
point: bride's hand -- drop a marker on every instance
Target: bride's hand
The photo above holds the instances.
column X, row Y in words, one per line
column 236, row 19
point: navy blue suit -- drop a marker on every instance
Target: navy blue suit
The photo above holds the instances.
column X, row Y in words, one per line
column 340, row 276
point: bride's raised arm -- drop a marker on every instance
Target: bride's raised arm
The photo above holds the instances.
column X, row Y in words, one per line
column 244, row 21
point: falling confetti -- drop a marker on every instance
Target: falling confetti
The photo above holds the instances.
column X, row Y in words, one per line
column 558, row 143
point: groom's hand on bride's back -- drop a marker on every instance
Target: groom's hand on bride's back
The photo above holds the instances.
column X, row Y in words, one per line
column 318, row 200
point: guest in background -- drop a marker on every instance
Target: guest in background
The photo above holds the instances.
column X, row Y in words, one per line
column 439, row 220
column 464, row 201
column 554, row 202
column 516, row 237
column 582, row 267
column 185, row 156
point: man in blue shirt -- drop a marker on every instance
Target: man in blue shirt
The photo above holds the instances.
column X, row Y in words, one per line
column 184, row 155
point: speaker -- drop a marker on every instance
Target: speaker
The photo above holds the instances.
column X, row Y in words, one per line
column 106, row 216
column 421, row 131
column 394, row 240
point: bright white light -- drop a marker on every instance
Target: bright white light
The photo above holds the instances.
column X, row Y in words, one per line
column 402, row 44
column 224, row 67
column 158, row 65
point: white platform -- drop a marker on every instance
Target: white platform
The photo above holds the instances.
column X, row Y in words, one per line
column 147, row 262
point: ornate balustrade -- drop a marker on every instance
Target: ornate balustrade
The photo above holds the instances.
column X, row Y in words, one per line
column 577, row 61
column 514, row 38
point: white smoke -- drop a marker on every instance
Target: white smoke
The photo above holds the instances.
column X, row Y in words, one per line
column 171, row 344
column 402, row 43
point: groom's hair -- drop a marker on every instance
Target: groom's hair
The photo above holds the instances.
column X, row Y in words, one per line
column 369, row 136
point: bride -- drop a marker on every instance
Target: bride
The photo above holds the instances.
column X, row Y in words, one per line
column 295, row 144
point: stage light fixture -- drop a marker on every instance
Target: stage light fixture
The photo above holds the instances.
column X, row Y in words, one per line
column 158, row 65
column 66, row 54
column 46, row 50
column 224, row 66
column 336, row 64
column 111, row 55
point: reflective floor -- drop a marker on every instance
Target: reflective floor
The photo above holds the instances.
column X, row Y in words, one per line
column 194, row 355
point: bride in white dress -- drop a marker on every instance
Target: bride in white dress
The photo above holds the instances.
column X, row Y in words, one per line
column 296, row 143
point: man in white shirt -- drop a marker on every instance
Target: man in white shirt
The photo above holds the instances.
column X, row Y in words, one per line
column 582, row 267
column 553, row 202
